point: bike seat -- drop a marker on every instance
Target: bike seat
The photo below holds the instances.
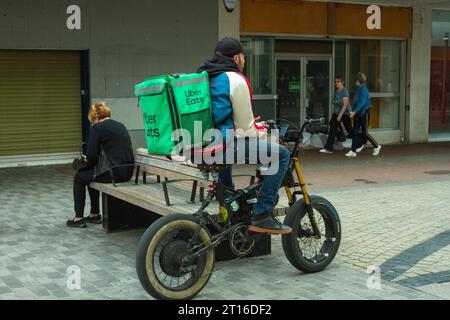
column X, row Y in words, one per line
column 207, row 150
column 198, row 153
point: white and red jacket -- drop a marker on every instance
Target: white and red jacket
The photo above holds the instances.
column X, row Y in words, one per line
column 231, row 96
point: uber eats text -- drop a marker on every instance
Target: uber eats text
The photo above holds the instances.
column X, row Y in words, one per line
column 193, row 97
column 151, row 125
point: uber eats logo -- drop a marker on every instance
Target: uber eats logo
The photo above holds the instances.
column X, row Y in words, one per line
column 151, row 125
column 193, row 97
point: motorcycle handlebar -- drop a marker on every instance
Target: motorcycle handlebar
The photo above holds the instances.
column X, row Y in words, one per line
column 308, row 122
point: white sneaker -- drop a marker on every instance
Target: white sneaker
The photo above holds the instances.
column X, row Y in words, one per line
column 359, row 149
column 350, row 154
column 376, row 151
column 325, row 151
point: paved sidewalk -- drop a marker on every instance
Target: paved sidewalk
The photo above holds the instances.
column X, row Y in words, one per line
column 36, row 250
column 400, row 226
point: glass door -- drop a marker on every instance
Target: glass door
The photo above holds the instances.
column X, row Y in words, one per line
column 288, row 90
column 317, row 87
column 303, row 88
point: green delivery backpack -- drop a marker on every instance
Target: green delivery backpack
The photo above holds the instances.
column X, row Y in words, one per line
column 170, row 103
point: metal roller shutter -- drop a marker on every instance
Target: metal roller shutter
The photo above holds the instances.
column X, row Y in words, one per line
column 40, row 102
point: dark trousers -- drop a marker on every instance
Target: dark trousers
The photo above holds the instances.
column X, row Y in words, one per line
column 336, row 130
column 360, row 139
column 81, row 181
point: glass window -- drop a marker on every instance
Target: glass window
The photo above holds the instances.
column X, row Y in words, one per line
column 380, row 61
column 440, row 75
column 247, row 43
column 304, row 46
column 259, row 66
column 340, row 60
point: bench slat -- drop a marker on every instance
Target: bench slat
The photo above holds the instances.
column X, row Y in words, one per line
column 155, row 163
column 150, row 197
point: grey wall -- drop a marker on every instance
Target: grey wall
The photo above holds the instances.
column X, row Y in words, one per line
column 420, row 61
column 128, row 40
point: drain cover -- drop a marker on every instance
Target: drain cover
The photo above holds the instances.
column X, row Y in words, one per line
column 438, row 172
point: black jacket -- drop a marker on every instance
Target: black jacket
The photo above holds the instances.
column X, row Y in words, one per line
column 113, row 137
column 219, row 64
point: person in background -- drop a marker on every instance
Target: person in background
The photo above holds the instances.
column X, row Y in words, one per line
column 112, row 138
column 361, row 115
column 340, row 115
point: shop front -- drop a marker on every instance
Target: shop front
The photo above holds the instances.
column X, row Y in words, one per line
column 297, row 55
column 440, row 77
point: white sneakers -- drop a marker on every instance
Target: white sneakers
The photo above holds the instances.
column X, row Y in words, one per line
column 376, row 151
column 351, row 154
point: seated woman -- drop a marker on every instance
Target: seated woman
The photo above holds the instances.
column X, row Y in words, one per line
column 112, row 138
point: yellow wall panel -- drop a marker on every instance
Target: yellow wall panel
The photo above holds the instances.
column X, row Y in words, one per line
column 40, row 102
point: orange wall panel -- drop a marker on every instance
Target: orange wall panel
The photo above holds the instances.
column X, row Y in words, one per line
column 283, row 16
column 307, row 17
column 351, row 20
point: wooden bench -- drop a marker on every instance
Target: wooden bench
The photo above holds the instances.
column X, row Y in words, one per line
column 149, row 193
column 124, row 204
column 172, row 172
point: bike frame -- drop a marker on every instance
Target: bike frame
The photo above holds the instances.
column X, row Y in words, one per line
column 217, row 190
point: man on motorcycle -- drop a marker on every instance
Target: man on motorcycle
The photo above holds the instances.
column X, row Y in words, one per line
column 232, row 113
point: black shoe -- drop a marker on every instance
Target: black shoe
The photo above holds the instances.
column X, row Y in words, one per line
column 97, row 219
column 76, row 224
column 265, row 223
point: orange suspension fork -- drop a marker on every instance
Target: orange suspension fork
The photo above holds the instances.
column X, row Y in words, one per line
column 306, row 197
column 301, row 180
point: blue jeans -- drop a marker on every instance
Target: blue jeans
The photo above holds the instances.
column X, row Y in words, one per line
column 360, row 121
column 270, row 183
column 364, row 136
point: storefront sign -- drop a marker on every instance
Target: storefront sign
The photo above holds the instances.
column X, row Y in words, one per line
column 294, row 86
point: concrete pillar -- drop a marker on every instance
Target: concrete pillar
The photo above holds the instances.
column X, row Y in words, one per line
column 229, row 22
column 419, row 74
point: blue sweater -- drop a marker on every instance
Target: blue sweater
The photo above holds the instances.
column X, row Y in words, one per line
column 361, row 103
